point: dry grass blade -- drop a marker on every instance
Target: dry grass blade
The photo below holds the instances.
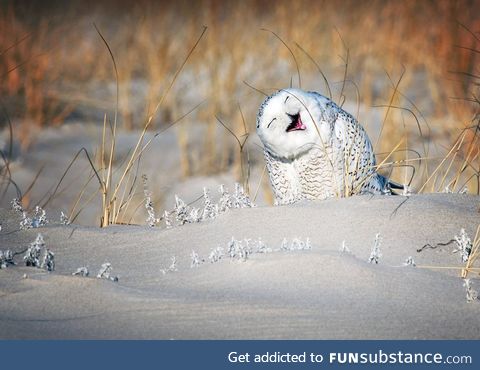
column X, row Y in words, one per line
column 111, row 206
column 390, row 104
column 255, row 89
column 241, row 145
column 473, row 256
column 291, row 53
column 82, row 150
column 325, row 80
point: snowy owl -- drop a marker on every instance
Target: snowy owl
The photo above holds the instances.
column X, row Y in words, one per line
column 314, row 149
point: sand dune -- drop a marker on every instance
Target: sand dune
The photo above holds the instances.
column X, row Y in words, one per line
column 318, row 293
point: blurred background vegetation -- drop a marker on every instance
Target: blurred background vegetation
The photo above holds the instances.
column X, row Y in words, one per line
column 421, row 58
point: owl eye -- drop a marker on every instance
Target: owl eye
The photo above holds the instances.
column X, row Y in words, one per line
column 268, row 126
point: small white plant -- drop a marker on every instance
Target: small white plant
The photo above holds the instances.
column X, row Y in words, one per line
column 48, row 262
column 167, row 220
column 210, row 210
column 17, row 206
column 25, row 222
column 406, row 191
column 194, row 216
column 173, row 266
column 232, row 248
column 216, row 255
column 244, row 250
column 64, row 220
column 284, row 246
column 297, row 244
column 225, row 202
column 409, row 262
column 464, row 245
column 105, row 272
column 181, row 211
column 447, row 190
column 195, row 260
column 39, row 218
column 240, row 198
column 344, row 248
column 81, row 271
column 6, row 258
column 152, row 219
column 32, row 255
column 262, row 247
column 472, row 294
column 375, row 253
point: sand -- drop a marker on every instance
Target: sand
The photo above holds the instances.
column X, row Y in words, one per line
column 307, row 294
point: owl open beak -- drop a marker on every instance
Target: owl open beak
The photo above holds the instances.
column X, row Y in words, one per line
column 296, row 124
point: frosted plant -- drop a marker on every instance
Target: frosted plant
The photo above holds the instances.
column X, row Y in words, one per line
column 216, row 254
column 166, row 218
column 8, row 255
column 181, row 211
column 262, row 247
column 240, row 199
column 48, row 262
column 297, row 244
column 232, row 248
column 409, row 262
column 472, row 294
column 6, row 258
column 308, row 244
column 25, row 222
column 248, row 245
column 225, row 202
column 81, row 271
column 173, row 264
column 16, row 206
column 3, row 260
column 464, row 245
column 406, row 191
column 244, row 250
column 194, row 216
column 344, row 248
column 210, row 210
column 195, row 260
column 375, row 254
column 105, row 272
column 284, row 246
column 32, row 255
column 39, row 218
column 172, row 267
column 64, row 220
column 151, row 220
column 447, row 190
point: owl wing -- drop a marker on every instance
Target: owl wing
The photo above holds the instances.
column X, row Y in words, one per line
column 360, row 164
column 284, row 179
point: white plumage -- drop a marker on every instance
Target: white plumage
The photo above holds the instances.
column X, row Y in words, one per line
column 314, row 149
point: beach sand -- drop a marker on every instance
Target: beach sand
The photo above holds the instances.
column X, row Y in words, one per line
column 304, row 294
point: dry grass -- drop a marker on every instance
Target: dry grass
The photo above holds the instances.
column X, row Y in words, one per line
column 413, row 63
column 473, row 256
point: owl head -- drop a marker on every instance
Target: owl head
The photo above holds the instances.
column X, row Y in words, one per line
column 291, row 121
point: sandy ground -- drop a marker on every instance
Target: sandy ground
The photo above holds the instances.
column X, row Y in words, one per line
column 318, row 293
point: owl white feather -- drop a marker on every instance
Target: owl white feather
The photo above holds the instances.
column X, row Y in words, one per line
column 314, row 149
